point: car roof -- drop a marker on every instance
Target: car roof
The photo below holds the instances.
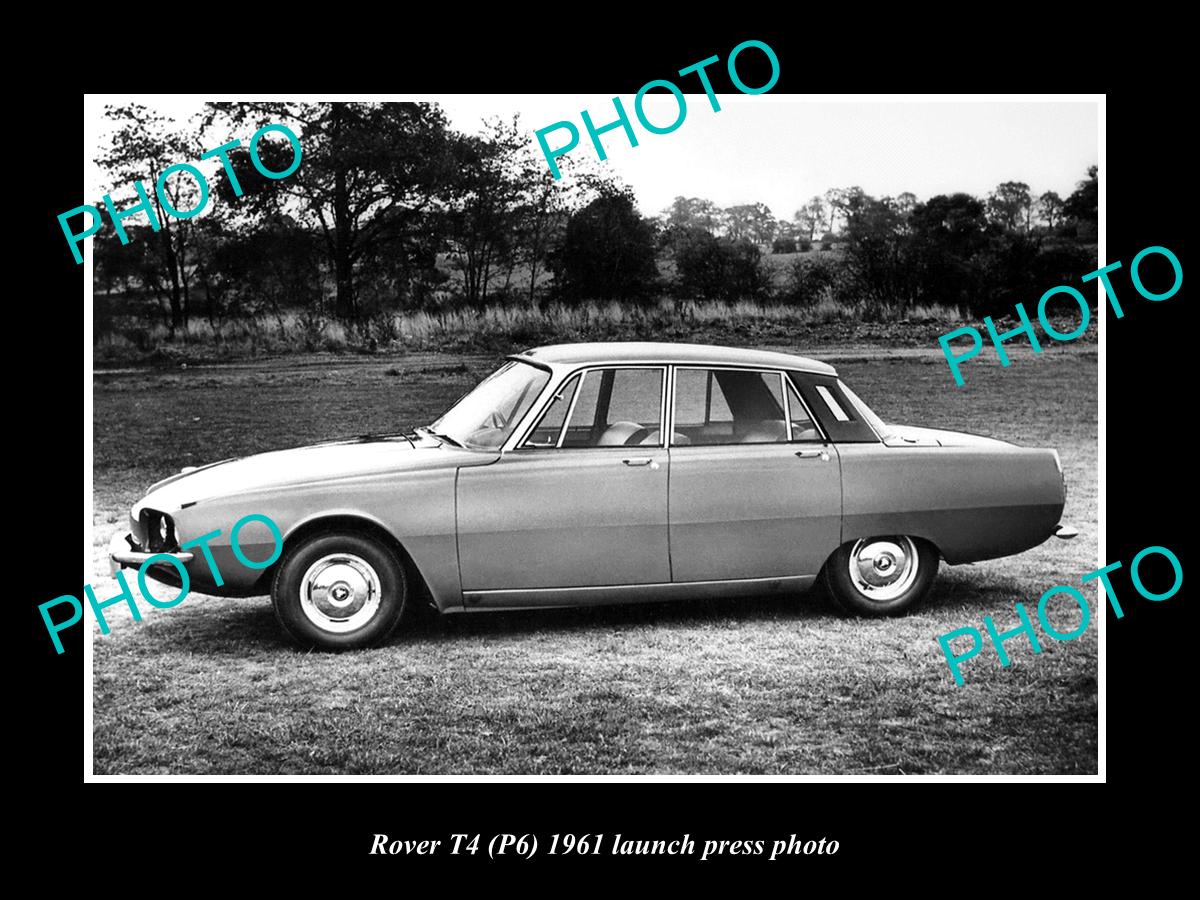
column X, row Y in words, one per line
column 602, row 353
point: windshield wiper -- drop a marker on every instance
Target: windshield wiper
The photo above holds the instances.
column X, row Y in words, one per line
column 441, row 437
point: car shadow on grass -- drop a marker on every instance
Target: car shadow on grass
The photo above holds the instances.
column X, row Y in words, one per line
column 249, row 626
column 672, row 613
column 954, row 591
column 970, row 589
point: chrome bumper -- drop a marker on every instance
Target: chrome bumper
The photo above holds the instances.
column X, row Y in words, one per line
column 123, row 555
column 1065, row 532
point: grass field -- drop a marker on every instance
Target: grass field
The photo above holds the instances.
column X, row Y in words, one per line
column 776, row 685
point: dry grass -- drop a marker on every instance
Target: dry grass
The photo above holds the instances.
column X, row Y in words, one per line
column 773, row 685
column 484, row 329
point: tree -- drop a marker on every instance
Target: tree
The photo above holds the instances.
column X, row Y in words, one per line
column 877, row 254
column 838, row 202
column 482, row 218
column 811, row 218
column 750, row 222
column 143, row 146
column 263, row 266
column 905, row 203
column 692, row 212
column 950, row 237
column 607, row 252
column 1011, row 206
column 785, row 238
column 1050, row 209
column 1082, row 207
column 543, row 208
column 370, row 173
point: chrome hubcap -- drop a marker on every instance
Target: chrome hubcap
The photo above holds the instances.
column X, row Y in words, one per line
column 883, row 568
column 340, row 593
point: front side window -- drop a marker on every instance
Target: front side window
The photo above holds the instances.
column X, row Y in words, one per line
column 484, row 418
column 548, row 431
column 731, row 406
column 616, row 408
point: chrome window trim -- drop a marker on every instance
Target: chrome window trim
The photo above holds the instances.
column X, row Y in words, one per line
column 784, row 382
column 562, row 430
column 787, row 408
column 788, row 383
column 514, row 443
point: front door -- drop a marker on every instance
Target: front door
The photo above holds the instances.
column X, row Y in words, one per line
column 582, row 503
column 755, row 488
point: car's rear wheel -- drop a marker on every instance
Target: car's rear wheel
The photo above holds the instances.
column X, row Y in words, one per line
column 340, row 591
column 881, row 576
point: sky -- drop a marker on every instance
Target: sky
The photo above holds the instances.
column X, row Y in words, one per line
column 776, row 149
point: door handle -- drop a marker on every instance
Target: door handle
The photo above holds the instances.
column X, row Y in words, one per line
column 641, row 461
column 813, row 454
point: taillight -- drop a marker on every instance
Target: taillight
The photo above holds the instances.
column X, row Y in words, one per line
column 1061, row 474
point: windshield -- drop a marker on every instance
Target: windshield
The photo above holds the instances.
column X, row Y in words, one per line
column 484, row 418
column 873, row 420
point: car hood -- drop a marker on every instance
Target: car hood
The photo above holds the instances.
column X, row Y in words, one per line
column 330, row 460
column 912, row 436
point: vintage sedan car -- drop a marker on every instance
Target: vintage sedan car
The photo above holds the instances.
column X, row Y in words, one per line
column 605, row 473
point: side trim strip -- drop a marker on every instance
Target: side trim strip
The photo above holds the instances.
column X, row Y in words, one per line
column 626, row 593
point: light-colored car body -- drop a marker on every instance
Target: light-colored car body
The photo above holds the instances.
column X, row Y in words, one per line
column 516, row 526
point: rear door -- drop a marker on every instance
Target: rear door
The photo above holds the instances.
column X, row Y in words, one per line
column 755, row 488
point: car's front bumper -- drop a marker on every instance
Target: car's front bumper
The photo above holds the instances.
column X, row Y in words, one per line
column 125, row 553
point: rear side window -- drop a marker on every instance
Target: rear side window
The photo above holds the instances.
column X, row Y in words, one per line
column 831, row 404
column 838, row 416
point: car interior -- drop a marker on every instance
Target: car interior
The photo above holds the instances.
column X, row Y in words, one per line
column 619, row 407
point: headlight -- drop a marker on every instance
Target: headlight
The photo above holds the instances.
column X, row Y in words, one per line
column 159, row 529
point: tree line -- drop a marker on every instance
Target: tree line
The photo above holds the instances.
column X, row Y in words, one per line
column 894, row 253
column 393, row 209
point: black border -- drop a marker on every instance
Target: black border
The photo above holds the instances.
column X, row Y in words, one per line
column 932, row 840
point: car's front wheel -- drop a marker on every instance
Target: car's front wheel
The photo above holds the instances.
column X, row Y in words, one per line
column 881, row 576
column 339, row 591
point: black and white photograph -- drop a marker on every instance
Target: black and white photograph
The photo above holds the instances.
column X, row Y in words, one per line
column 684, row 433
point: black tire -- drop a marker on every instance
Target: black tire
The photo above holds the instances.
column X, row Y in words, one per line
column 329, row 569
column 854, row 595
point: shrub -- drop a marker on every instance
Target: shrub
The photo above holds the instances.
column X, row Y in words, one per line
column 812, row 279
column 607, row 252
column 713, row 268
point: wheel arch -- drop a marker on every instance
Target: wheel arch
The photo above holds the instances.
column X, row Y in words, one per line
column 354, row 523
column 849, row 537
